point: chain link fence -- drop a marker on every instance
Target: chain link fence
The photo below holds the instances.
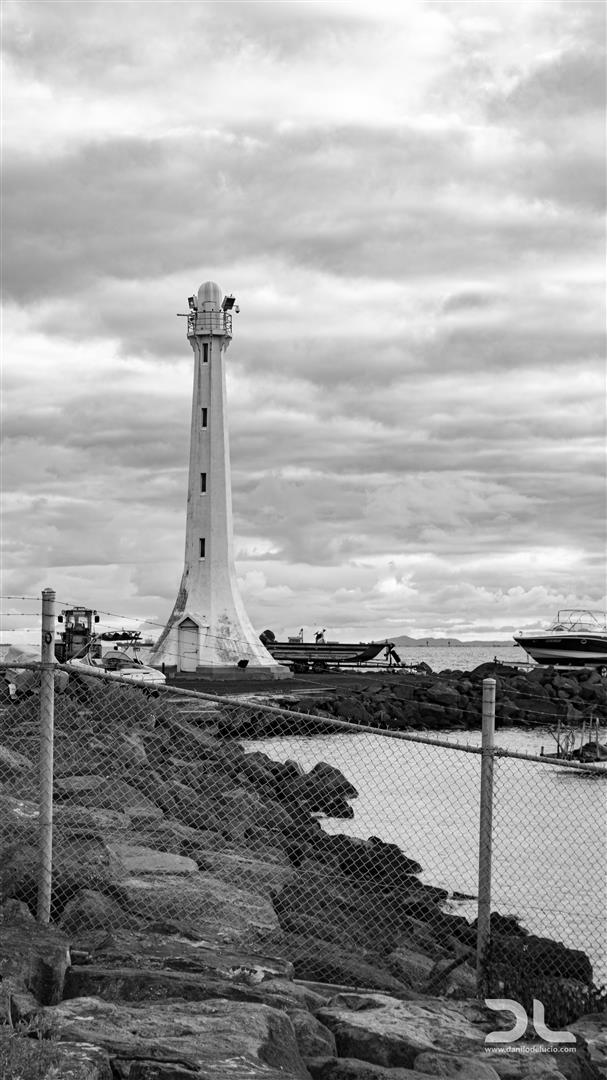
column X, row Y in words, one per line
column 352, row 851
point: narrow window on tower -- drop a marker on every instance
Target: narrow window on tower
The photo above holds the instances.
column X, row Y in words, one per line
column 205, row 354
column 204, row 413
column 203, row 483
column 202, row 547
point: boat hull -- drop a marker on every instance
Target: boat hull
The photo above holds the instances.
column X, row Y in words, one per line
column 565, row 649
column 320, row 657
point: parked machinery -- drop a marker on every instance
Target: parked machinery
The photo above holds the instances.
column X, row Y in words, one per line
column 77, row 633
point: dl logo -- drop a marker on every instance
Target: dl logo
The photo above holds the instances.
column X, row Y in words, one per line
column 520, row 1027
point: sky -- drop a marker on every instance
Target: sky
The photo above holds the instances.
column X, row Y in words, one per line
column 407, row 201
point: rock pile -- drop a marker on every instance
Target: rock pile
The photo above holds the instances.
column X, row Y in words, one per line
column 204, row 925
column 452, row 699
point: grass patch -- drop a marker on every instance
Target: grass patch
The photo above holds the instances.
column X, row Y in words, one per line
column 25, row 1056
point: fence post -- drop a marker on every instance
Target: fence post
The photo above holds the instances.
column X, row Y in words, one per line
column 47, row 716
column 485, row 839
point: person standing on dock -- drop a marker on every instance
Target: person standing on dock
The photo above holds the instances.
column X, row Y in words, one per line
column 319, row 637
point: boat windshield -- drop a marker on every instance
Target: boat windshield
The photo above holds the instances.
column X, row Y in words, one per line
column 576, row 620
column 115, row 660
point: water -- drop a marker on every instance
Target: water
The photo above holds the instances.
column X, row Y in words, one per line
column 462, row 657
column 550, row 826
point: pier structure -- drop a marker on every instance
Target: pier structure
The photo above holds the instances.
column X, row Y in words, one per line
column 209, row 632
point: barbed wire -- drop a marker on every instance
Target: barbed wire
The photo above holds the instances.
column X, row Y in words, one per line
column 6, row 596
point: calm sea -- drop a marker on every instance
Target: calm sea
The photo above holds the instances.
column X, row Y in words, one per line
column 550, row 825
column 462, row 657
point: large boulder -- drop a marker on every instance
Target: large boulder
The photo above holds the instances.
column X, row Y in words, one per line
column 143, row 1039
column 103, row 792
column 326, row 789
column 13, row 765
column 313, row 1038
column 593, row 1029
column 175, row 946
column 89, row 910
column 441, row 693
column 393, row 1033
column 269, row 875
column 380, row 861
column 18, row 835
column 128, row 859
column 34, row 959
column 317, row 959
column 223, row 913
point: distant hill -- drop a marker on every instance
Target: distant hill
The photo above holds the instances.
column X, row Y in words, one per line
column 443, row 642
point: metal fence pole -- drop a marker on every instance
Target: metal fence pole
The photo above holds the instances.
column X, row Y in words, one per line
column 47, row 716
column 485, row 839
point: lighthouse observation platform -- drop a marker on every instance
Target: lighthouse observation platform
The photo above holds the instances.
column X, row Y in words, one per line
column 210, row 322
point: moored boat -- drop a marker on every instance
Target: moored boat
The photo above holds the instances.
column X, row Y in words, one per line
column 577, row 638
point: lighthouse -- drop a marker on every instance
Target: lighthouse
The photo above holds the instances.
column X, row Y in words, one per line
column 209, row 631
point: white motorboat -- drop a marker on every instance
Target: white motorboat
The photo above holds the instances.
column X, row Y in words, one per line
column 577, row 637
column 116, row 660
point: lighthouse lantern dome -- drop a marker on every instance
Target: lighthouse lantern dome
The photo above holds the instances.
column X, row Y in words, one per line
column 209, row 297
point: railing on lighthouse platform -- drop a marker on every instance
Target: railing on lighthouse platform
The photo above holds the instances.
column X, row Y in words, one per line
column 201, row 321
column 209, row 322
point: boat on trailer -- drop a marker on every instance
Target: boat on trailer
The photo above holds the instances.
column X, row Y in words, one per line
column 102, row 654
column 576, row 638
column 302, row 656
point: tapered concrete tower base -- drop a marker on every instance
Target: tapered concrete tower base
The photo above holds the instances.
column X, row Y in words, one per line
column 209, row 633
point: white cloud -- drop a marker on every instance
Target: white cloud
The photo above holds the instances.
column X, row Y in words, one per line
column 404, row 199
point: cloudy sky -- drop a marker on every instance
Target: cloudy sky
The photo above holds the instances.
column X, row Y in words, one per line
column 406, row 200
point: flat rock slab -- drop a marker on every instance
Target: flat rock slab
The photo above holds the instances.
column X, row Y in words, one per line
column 263, row 875
column 222, row 1039
column 17, row 814
column 172, row 948
column 104, row 793
column 134, row 859
column 13, row 764
column 392, row 1033
column 221, row 913
column 145, row 984
column 67, row 817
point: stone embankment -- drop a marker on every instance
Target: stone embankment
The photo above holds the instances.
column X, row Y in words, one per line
column 452, row 699
column 205, row 926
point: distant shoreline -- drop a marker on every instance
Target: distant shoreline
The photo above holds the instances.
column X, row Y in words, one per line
column 439, row 643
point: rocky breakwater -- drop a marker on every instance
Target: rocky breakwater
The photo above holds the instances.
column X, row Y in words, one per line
column 204, row 925
column 453, row 699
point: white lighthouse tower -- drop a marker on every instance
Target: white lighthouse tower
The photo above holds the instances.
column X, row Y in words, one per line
column 209, row 631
